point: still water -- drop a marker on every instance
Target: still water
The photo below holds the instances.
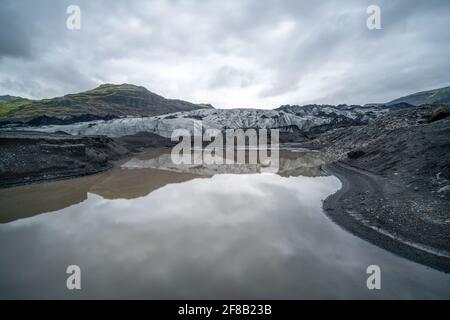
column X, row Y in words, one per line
column 149, row 230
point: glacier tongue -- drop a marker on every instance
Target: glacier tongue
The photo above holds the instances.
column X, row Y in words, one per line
column 287, row 119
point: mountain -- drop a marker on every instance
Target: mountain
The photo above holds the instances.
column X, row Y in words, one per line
column 148, row 112
column 8, row 98
column 105, row 101
column 435, row 96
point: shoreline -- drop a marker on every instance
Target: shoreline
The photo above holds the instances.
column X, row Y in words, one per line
column 39, row 157
column 361, row 190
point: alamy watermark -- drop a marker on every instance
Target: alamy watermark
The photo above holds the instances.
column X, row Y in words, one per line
column 373, row 22
column 199, row 146
column 73, row 282
column 374, row 280
column 73, row 21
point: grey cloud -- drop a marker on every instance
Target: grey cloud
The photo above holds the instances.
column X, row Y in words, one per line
column 230, row 76
column 229, row 53
column 15, row 40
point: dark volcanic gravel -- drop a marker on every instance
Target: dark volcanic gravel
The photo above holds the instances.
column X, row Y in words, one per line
column 396, row 180
column 33, row 156
column 382, row 212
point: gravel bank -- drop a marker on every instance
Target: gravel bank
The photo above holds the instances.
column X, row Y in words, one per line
column 382, row 212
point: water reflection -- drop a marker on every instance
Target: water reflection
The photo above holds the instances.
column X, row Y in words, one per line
column 155, row 171
column 226, row 236
column 304, row 163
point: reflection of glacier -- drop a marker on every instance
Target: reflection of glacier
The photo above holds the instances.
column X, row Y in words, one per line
column 122, row 183
column 307, row 164
column 302, row 118
column 165, row 162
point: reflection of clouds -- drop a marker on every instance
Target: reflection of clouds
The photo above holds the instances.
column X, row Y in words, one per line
column 147, row 176
column 229, row 236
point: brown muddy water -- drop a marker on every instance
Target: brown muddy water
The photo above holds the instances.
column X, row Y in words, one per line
column 149, row 229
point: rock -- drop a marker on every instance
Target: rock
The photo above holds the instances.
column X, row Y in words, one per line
column 439, row 113
column 355, row 154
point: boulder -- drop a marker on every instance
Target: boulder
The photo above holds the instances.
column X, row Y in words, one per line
column 439, row 113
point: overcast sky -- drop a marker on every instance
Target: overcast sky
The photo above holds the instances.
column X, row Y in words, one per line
column 234, row 53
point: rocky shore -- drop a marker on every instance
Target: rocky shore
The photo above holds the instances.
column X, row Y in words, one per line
column 29, row 157
column 396, row 183
column 382, row 212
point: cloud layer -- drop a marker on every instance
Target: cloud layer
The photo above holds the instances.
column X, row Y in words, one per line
column 247, row 53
